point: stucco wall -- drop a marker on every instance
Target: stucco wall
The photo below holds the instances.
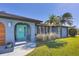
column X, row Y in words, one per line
column 64, row 31
column 9, row 29
column 61, row 31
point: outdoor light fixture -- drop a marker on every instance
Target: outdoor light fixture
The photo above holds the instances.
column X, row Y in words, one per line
column 10, row 24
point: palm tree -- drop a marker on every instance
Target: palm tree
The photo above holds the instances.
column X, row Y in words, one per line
column 66, row 18
column 53, row 20
column 60, row 20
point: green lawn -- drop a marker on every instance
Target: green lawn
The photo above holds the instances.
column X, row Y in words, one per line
column 61, row 47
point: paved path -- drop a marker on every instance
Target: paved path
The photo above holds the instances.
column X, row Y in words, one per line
column 19, row 51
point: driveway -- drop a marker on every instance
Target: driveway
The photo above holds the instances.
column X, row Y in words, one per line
column 20, row 50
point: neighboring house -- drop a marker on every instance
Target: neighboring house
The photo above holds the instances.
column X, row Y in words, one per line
column 14, row 29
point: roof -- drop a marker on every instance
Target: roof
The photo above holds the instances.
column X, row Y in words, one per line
column 47, row 25
column 16, row 17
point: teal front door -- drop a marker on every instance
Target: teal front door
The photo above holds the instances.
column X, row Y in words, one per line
column 21, row 32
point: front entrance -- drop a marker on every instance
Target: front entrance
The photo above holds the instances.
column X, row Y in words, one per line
column 2, row 34
column 21, row 32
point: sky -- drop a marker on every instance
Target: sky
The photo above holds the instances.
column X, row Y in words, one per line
column 42, row 11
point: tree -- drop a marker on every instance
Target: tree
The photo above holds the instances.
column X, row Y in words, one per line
column 53, row 19
column 60, row 20
column 66, row 18
column 72, row 32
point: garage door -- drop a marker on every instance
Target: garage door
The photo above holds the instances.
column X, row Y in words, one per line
column 2, row 34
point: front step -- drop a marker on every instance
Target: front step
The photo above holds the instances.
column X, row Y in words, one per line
column 27, row 45
column 31, row 45
column 20, row 43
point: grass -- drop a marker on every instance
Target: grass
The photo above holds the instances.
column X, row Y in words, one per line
column 60, row 47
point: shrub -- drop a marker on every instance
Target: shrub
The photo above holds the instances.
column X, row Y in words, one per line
column 77, row 31
column 41, row 37
column 53, row 36
column 72, row 32
column 44, row 37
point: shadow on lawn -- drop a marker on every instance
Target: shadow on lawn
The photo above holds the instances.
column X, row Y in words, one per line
column 52, row 44
column 55, row 44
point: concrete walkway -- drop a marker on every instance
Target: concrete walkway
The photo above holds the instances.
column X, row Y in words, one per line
column 19, row 51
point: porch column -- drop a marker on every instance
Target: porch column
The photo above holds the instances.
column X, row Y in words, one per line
column 59, row 29
column 43, row 29
column 39, row 29
column 50, row 29
column 46, row 30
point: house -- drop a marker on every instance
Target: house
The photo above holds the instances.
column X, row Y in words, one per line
column 15, row 29
column 62, row 31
